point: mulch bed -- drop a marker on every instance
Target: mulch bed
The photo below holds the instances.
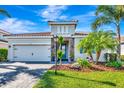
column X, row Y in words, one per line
column 94, row 67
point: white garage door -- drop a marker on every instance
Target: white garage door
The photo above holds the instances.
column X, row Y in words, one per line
column 32, row 53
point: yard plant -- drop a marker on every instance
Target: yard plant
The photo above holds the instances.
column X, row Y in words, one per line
column 115, row 64
column 83, row 63
column 3, row 54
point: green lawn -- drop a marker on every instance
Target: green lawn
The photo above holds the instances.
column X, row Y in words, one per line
column 72, row 79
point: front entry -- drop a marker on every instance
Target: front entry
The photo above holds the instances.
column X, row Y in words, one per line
column 65, row 52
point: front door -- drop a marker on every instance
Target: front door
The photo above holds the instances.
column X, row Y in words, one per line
column 64, row 50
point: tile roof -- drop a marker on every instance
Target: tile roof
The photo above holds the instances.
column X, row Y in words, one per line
column 32, row 34
column 80, row 33
column 3, row 32
column 42, row 34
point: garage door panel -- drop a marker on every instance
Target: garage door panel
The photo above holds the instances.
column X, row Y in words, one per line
column 32, row 53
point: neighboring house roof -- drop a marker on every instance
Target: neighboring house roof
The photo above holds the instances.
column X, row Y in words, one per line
column 3, row 32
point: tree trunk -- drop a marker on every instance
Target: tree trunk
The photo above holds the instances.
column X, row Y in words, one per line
column 60, row 47
column 119, row 41
column 91, row 57
column 97, row 56
column 60, row 61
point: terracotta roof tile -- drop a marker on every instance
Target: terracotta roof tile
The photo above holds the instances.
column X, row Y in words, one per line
column 80, row 33
column 42, row 34
column 32, row 34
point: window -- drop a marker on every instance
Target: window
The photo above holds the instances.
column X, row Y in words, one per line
column 81, row 50
column 64, row 29
column 60, row 29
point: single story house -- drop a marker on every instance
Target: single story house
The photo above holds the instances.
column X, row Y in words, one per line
column 41, row 46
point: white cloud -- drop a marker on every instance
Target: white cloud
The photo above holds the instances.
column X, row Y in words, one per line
column 85, row 21
column 85, row 17
column 53, row 12
column 15, row 25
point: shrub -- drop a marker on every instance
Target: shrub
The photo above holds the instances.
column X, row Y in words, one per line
column 122, row 57
column 3, row 54
column 83, row 62
column 115, row 64
column 75, row 65
column 110, row 57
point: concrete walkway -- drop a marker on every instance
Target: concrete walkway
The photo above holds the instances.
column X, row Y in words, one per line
column 21, row 75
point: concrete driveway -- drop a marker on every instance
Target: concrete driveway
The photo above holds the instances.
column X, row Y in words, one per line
column 21, row 74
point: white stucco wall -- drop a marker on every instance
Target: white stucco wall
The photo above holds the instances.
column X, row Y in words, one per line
column 122, row 49
column 3, row 45
column 63, row 29
column 84, row 55
column 32, row 41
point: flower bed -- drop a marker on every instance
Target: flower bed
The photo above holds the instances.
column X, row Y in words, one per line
column 94, row 67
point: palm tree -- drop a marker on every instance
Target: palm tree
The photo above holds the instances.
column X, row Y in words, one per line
column 87, row 46
column 110, row 15
column 60, row 41
column 103, row 40
column 60, row 55
column 4, row 12
column 99, row 41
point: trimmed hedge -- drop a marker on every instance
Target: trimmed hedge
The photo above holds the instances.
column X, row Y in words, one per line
column 3, row 54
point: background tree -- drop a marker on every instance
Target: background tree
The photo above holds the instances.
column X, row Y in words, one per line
column 4, row 12
column 110, row 15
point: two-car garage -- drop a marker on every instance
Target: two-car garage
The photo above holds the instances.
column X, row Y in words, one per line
column 29, row 47
column 32, row 53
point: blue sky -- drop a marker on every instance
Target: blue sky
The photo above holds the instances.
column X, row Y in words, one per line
column 34, row 18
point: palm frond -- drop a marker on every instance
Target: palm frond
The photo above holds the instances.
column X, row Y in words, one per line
column 4, row 12
column 100, row 21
